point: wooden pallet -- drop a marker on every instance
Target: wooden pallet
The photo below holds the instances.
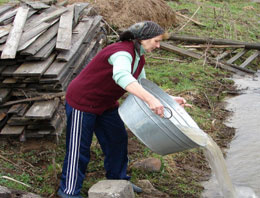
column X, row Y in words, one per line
column 236, row 55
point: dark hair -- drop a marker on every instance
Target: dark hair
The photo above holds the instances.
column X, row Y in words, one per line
column 126, row 36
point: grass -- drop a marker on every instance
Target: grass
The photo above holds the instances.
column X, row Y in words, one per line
column 201, row 84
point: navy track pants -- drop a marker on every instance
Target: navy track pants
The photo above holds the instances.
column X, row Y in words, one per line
column 112, row 136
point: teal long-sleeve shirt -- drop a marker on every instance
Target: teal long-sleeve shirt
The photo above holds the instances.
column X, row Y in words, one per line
column 122, row 62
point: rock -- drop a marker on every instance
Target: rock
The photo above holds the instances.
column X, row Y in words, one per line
column 9, row 193
column 111, row 189
column 149, row 164
column 149, row 189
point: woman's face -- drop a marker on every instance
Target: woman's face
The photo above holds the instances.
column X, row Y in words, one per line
column 150, row 44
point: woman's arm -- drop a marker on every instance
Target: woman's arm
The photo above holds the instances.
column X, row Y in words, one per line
column 155, row 105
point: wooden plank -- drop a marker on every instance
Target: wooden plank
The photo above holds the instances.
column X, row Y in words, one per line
column 27, row 35
column 8, row 71
column 8, row 15
column 78, row 10
column 55, row 69
column 4, row 30
column 82, row 30
column 9, row 81
column 180, row 51
column 250, row 59
column 45, row 51
column 43, row 109
column 37, row 5
column 6, row 7
column 4, row 95
column 33, row 21
column 35, row 68
column 223, row 55
column 26, row 44
column 41, row 41
column 65, row 29
column 15, row 109
column 15, row 34
column 12, row 130
column 199, row 40
column 237, row 56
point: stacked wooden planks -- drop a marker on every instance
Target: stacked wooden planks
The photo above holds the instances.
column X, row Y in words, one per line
column 42, row 47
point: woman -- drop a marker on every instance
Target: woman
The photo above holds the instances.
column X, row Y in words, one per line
column 91, row 105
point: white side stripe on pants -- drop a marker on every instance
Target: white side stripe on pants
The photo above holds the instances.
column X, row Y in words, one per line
column 74, row 146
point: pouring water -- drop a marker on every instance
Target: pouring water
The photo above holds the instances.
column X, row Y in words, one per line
column 217, row 163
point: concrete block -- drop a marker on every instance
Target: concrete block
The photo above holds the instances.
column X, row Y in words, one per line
column 111, row 189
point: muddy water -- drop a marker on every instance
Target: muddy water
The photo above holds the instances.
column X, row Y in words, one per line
column 243, row 156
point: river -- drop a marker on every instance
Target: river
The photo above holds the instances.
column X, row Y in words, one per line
column 243, row 156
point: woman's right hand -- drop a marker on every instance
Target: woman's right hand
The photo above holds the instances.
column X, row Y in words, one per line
column 156, row 106
column 153, row 103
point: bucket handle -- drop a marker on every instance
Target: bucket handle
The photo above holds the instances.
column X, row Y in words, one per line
column 169, row 110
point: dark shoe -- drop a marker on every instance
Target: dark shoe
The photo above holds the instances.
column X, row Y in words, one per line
column 136, row 188
column 63, row 195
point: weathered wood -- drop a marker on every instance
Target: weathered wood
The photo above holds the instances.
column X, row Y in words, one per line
column 34, row 68
column 37, row 5
column 54, row 14
column 41, row 41
column 8, row 15
column 213, row 46
column 15, row 109
column 12, row 130
column 78, row 10
column 6, row 7
column 38, row 98
column 199, row 40
column 65, row 29
column 55, row 69
column 213, row 61
column 15, row 34
column 42, row 109
column 26, row 44
column 4, row 95
column 250, row 59
column 27, row 35
column 9, row 81
column 180, row 51
column 4, row 30
column 45, row 51
column 8, row 71
column 82, row 30
column 237, row 56
column 223, row 55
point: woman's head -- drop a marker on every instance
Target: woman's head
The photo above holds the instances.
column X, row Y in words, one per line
column 148, row 33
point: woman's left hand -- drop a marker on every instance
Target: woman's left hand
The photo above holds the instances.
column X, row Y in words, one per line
column 181, row 101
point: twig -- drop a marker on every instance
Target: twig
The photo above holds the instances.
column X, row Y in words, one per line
column 14, row 180
column 190, row 19
column 39, row 98
column 110, row 27
column 194, row 21
column 210, row 105
column 169, row 59
column 2, row 157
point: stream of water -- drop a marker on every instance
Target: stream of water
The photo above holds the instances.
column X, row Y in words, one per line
column 239, row 175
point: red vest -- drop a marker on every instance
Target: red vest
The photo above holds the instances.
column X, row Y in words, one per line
column 94, row 89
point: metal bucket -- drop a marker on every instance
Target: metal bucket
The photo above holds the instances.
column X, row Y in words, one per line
column 162, row 135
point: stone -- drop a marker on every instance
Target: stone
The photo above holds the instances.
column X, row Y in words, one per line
column 150, row 164
column 111, row 189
